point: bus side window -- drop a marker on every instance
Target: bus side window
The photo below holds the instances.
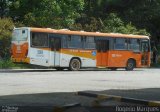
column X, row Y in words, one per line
column 134, row 44
column 145, row 46
column 98, row 45
column 75, row 41
column 89, row 43
column 52, row 43
column 64, row 41
column 120, row 44
column 106, row 45
column 39, row 40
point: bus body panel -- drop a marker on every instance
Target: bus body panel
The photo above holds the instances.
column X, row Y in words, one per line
column 87, row 57
column 39, row 56
column 46, row 57
column 120, row 58
column 85, row 62
column 102, row 59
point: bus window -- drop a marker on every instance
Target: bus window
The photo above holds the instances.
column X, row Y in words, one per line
column 19, row 35
column 89, row 43
column 105, row 45
column 98, row 45
column 102, row 45
column 120, row 44
column 134, row 44
column 55, row 41
column 39, row 40
column 64, row 41
column 74, row 41
column 144, row 46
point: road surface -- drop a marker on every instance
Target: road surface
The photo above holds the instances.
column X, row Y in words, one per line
column 50, row 87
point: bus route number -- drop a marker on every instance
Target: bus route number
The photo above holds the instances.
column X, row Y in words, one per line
column 39, row 52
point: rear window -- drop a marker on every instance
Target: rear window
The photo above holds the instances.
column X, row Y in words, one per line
column 20, row 35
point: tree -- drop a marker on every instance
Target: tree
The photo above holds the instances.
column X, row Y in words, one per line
column 114, row 24
column 47, row 13
column 3, row 8
column 6, row 27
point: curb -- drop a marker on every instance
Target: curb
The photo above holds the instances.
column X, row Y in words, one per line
column 119, row 99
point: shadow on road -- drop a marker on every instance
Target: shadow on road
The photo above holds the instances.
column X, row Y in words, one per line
column 48, row 101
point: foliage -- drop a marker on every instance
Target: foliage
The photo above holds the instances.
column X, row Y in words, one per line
column 6, row 64
column 6, row 26
column 142, row 14
column 114, row 24
column 46, row 13
column 3, row 8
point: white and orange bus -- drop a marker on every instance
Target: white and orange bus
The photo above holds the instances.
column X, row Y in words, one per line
column 79, row 49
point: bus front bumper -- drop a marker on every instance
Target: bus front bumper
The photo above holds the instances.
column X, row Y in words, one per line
column 21, row 60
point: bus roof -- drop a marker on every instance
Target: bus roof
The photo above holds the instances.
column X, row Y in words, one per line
column 69, row 32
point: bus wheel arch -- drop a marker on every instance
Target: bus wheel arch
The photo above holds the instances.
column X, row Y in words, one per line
column 131, row 64
column 75, row 64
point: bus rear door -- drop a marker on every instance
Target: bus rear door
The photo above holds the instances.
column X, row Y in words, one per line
column 102, row 47
column 55, row 45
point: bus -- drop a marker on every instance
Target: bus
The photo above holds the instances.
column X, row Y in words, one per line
column 61, row 49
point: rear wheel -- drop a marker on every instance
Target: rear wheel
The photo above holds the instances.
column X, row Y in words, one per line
column 130, row 65
column 75, row 65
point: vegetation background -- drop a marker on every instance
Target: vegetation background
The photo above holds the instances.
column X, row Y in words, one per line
column 117, row 16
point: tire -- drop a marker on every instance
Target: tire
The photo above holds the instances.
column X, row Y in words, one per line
column 130, row 65
column 113, row 69
column 75, row 65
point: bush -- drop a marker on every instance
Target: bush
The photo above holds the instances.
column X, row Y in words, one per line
column 6, row 27
column 5, row 64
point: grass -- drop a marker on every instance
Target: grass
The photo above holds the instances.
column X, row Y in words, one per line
column 6, row 64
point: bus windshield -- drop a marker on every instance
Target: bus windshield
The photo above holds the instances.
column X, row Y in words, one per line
column 19, row 35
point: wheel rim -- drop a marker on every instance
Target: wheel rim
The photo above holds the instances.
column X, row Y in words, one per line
column 130, row 65
column 75, row 65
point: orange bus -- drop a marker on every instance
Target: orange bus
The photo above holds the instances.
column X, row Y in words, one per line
column 79, row 49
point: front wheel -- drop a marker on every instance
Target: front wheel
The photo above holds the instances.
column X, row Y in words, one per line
column 130, row 65
column 75, row 65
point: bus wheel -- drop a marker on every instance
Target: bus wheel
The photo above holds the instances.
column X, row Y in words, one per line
column 75, row 65
column 130, row 65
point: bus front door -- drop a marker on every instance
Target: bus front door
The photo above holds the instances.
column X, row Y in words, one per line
column 102, row 47
column 55, row 45
column 145, row 60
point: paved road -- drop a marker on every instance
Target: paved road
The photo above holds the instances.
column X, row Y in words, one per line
column 45, row 87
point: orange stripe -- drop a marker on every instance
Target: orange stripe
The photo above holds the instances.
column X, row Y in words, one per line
column 79, row 53
column 75, row 52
